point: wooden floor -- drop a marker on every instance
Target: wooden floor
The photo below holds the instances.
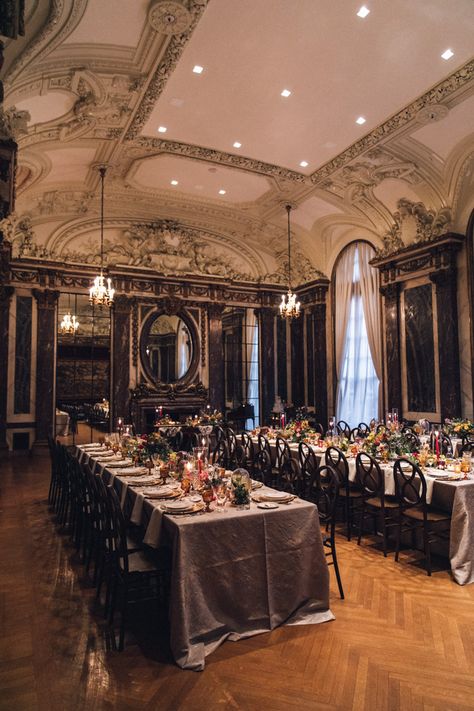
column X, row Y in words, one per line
column 400, row 639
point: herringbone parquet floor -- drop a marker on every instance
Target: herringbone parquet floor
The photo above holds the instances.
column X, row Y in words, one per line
column 400, row 639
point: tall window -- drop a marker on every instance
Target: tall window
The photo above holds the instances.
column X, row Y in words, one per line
column 357, row 336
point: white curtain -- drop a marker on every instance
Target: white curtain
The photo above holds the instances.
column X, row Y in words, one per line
column 358, row 383
column 369, row 289
column 252, row 370
column 342, row 296
column 182, row 350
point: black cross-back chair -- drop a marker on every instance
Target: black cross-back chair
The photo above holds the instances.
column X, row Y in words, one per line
column 349, row 493
column 309, row 463
column 375, row 504
column 264, row 468
column 324, row 492
column 414, row 512
column 343, row 428
column 287, row 471
column 245, row 453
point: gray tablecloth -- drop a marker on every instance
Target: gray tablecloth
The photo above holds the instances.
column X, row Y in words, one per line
column 235, row 574
column 457, row 498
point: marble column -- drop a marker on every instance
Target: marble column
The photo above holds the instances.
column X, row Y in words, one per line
column 6, row 293
column 320, row 365
column 120, row 383
column 267, row 363
column 46, row 301
column 216, row 357
column 297, row 361
column 391, row 294
column 448, row 342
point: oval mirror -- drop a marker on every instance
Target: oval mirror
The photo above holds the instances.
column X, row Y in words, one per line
column 168, row 348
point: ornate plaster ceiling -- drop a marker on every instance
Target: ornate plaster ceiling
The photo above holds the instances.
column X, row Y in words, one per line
column 100, row 76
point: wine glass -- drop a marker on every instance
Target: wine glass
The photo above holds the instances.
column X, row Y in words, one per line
column 220, row 492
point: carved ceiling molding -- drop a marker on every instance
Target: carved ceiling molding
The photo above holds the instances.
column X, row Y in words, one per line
column 465, row 167
column 414, row 224
column 211, row 155
column 165, row 69
column 63, row 18
column 169, row 17
column 13, row 123
column 441, row 92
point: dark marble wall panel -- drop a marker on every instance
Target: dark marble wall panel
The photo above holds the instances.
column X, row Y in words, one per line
column 216, row 357
column 46, row 301
column 6, row 293
column 419, row 349
column 297, row 361
column 282, row 389
column 121, row 358
column 320, row 363
column 310, row 360
column 82, row 380
column 392, row 346
column 21, row 399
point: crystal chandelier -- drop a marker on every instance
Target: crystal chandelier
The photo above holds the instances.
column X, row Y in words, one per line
column 289, row 307
column 69, row 324
column 101, row 292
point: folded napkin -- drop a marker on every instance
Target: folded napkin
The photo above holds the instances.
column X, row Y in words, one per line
column 133, row 471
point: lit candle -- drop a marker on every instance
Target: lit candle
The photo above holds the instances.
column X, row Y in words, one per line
column 437, row 443
column 203, row 442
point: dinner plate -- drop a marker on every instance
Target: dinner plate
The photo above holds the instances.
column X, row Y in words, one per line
column 179, row 506
column 120, row 464
column 439, row 473
column 280, row 496
column 161, row 494
column 256, row 484
column 267, row 505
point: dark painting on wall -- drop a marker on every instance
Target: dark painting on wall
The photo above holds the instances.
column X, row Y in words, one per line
column 419, row 349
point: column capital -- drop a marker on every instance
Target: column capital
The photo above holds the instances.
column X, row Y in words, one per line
column 46, row 298
column 390, row 291
column 215, row 311
column 122, row 304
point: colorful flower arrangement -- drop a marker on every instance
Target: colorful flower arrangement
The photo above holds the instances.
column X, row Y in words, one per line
column 384, row 439
column 141, row 448
column 458, row 427
column 297, row 430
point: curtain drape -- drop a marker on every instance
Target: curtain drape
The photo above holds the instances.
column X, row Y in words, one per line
column 182, row 350
column 342, row 295
column 251, row 364
column 369, row 288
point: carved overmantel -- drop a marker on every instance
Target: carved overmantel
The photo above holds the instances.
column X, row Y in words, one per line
column 422, row 275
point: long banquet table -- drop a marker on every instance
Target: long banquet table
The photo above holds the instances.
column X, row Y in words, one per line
column 236, row 574
column 455, row 497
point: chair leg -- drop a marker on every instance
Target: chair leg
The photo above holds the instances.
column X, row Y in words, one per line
column 336, row 569
column 427, row 550
column 361, row 521
column 384, row 534
column 348, row 517
column 399, row 535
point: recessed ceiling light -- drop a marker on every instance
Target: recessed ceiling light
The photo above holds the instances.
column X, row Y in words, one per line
column 174, row 182
column 197, row 69
column 236, row 144
column 221, row 192
column 360, row 120
column 448, row 54
column 162, row 129
column 285, row 93
column 363, row 12
column 304, row 164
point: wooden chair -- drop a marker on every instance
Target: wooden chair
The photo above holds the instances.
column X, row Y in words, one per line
column 245, row 453
column 374, row 504
column 349, row 494
column 324, row 492
column 359, row 432
column 136, row 577
column 414, row 513
column 263, row 461
column 343, row 428
column 309, row 464
column 287, row 471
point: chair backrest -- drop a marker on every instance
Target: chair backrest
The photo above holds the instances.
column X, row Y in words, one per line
column 317, row 427
column 324, row 492
column 361, row 431
column 118, row 533
column 245, row 451
column 343, row 428
column 369, row 475
column 308, row 461
column 263, row 458
column 336, row 459
column 467, row 445
column 411, row 437
column 283, row 452
column 410, row 484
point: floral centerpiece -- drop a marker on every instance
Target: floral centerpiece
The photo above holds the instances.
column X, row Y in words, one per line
column 212, row 418
column 458, row 427
column 142, row 447
column 388, row 440
column 297, row 431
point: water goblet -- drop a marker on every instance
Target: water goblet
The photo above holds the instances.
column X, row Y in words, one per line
column 221, row 492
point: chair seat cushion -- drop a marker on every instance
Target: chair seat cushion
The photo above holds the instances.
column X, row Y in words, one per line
column 433, row 515
column 389, row 503
column 138, row 562
column 353, row 493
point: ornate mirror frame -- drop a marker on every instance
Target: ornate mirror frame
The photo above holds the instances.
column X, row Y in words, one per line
column 189, row 377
